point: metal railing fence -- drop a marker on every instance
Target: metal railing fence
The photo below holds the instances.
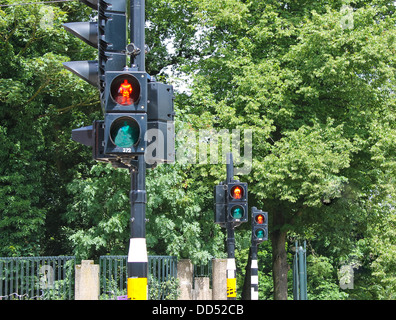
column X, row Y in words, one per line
column 162, row 274
column 203, row 269
column 300, row 272
column 52, row 277
column 39, row 278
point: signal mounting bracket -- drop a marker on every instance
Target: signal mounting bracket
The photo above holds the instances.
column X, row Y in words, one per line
column 132, row 50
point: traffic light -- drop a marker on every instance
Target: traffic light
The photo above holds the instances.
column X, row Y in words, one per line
column 259, row 225
column 108, row 34
column 237, row 202
column 231, row 202
column 220, row 204
column 93, row 136
column 160, row 125
column 125, row 112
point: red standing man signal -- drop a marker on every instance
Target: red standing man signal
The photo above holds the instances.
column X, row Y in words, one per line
column 125, row 91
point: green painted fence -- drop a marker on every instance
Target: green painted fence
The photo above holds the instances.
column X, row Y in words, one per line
column 37, row 278
column 162, row 276
column 52, row 277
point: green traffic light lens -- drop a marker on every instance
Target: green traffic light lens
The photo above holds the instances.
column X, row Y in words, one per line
column 125, row 132
column 260, row 233
column 237, row 212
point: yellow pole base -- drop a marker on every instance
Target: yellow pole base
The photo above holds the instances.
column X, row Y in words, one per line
column 137, row 288
column 231, row 288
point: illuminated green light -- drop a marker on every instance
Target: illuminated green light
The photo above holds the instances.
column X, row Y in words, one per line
column 260, row 233
column 125, row 132
column 237, row 212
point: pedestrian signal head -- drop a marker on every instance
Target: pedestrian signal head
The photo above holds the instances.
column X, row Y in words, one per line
column 259, row 225
column 237, row 202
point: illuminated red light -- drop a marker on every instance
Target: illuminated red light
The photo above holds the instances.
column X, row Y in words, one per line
column 124, row 93
column 260, row 219
column 237, row 192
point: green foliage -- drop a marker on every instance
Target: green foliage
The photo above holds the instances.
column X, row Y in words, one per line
column 166, row 290
column 264, row 262
column 113, row 290
column 180, row 213
column 383, row 249
column 37, row 153
column 305, row 164
column 97, row 219
column 322, row 283
column 318, row 96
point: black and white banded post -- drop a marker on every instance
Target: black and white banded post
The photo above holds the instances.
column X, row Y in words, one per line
column 254, row 272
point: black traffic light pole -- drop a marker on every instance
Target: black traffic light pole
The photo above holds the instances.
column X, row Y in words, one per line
column 231, row 266
column 137, row 23
column 137, row 255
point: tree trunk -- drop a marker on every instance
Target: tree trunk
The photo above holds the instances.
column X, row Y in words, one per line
column 279, row 258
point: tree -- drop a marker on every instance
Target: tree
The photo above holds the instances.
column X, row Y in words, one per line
column 313, row 89
column 37, row 154
column 316, row 84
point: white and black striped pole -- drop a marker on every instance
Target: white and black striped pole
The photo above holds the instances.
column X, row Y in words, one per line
column 254, row 272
